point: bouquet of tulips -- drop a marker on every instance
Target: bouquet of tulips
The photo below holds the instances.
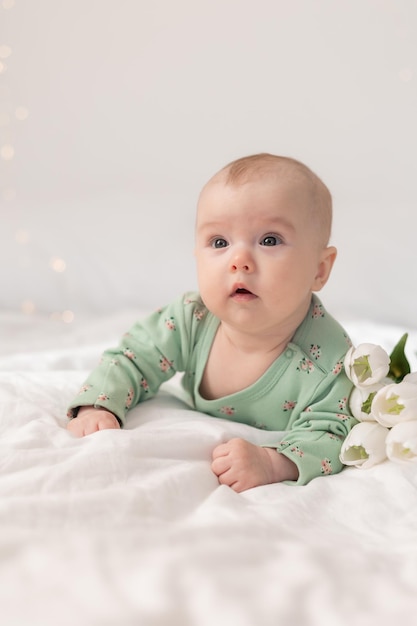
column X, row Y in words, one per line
column 384, row 401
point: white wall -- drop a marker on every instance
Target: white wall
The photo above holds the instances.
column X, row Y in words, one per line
column 132, row 105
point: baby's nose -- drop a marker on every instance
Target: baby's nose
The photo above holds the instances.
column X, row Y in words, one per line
column 242, row 261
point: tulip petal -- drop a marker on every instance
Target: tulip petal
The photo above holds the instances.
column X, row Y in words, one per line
column 366, row 365
column 395, row 403
column 411, row 378
column 365, row 445
column 360, row 403
column 402, row 442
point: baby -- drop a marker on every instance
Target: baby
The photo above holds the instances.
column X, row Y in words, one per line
column 255, row 345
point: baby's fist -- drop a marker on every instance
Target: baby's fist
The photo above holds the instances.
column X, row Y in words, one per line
column 90, row 420
column 242, row 465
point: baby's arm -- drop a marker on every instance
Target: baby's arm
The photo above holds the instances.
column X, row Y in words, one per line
column 89, row 420
column 242, row 465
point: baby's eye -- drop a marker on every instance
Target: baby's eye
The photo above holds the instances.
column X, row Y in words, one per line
column 271, row 240
column 219, row 242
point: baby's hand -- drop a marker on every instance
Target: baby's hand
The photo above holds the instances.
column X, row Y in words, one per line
column 89, row 420
column 242, row 465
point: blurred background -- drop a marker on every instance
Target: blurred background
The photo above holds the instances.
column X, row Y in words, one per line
column 114, row 113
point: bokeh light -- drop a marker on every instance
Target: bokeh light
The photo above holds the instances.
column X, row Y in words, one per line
column 7, row 152
column 28, row 307
column 5, row 51
column 21, row 113
column 22, row 236
column 58, row 264
column 62, row 316
column 68, row 317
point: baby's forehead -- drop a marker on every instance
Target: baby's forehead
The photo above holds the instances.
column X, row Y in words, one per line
column 304, row 192
column 221, row 186
column 254, row 201
column 281, row 173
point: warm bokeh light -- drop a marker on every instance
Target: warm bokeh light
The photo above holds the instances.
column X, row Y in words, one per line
column 65, row 316
column 58, row 264
column 28, row 307
column 68, row 317
column 7, row 152
column 22, row 236
column 5, row 51
column 21, row 113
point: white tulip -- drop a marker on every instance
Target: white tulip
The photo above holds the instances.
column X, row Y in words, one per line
column 411, row 378
column 360, row 402
column 365, row 445
column 402, row 443
column 366, row 365
column 395, row 403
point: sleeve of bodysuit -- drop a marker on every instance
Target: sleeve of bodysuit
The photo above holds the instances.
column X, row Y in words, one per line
column 148, row 355
column 314, row 440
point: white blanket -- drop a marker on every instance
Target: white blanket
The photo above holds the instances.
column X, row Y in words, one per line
column 131, row 527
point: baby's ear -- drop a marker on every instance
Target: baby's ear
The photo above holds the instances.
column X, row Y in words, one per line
column 326, row 260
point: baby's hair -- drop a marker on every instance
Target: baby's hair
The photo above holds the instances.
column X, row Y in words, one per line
column 255, row 166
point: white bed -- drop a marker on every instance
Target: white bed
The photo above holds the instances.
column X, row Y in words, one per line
column 131, row 527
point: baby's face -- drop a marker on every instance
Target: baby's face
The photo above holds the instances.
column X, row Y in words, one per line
column 258, row 253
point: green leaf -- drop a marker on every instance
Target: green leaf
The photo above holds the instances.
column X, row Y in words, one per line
column 399, row 366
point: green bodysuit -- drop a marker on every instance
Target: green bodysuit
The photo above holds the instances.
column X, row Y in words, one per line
column 304, row 392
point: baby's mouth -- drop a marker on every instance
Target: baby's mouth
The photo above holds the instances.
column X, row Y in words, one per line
column 243, row 294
